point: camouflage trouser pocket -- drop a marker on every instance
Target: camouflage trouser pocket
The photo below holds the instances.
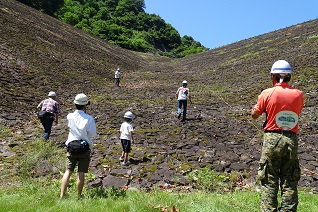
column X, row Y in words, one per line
column 262, row 170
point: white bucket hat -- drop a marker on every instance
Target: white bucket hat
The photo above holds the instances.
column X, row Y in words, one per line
column 81, row 99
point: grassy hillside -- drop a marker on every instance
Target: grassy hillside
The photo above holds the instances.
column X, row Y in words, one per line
column 39, row 54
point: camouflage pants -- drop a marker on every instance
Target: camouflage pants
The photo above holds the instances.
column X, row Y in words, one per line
column 279, row 168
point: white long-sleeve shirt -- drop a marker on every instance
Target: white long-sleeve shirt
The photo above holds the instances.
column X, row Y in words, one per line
column 82, row 126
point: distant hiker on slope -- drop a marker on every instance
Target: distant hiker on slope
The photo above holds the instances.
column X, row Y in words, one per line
column 183, row 95
column 117, row 77
column 279, row 164
column 126, row 137
column 51, row 109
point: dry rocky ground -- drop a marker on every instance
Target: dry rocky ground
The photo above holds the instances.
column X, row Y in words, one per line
column 39, row 54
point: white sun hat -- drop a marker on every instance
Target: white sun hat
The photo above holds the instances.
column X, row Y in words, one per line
column 52, row 94
column 81, row 99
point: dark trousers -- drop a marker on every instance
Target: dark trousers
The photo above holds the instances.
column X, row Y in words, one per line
column 47, row 123
column 126, row 144
column 117, row 80
column 184, row 103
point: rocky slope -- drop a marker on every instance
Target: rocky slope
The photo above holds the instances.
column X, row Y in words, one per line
column 39, row 54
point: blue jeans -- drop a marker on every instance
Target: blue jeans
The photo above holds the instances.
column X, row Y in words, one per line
column 184, row 103
column 47, row 123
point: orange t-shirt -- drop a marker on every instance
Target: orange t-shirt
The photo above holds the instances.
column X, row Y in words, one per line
column 281, row 97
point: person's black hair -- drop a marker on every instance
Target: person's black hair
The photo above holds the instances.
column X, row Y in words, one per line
column 286, row 78
column 128, row 120
column 79, row 107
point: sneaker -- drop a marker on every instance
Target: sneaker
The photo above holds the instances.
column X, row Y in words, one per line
column 121, row 159
column 126, row 163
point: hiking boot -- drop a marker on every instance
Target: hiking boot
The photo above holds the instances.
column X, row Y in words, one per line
column 121, row 159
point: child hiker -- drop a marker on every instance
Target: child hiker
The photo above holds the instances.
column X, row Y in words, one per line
column 126, row 137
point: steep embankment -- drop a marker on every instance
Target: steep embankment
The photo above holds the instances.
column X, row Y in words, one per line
column 39, row 54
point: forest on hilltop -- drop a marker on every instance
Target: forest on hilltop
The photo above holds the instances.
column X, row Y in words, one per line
column 121, row 22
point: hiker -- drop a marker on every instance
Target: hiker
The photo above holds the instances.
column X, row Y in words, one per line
column 117, row 77
column 79, row 145
column 50, row 109
column 126, row 137
column 279, row 164
column 183, row 95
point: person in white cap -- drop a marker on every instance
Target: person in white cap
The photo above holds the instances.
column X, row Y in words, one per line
column 52, row 109
column 279, row 163
column 79, row 143
column 117, row 77
column 126, row 137
column 183, row 95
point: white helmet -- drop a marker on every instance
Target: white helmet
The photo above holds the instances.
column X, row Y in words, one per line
column 184, row 82
column 52, row 94
column 81, row 99
column 281, row 67
column 128, row 115
column 118, row 69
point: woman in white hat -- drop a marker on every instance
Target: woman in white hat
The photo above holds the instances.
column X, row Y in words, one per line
column 79, row 143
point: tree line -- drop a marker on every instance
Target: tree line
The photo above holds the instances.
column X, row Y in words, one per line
column 121, row 22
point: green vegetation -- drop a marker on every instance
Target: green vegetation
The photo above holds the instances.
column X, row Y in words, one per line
column 313, row 36
column 46, row 6
column 45, row 198
column 123, row 23
column 212, row 191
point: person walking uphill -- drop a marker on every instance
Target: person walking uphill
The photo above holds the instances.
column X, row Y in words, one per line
column 279, row 164
column 183, row 95
column 51, row 109
column 117, row 77
column 126, row 137
column 79, row 145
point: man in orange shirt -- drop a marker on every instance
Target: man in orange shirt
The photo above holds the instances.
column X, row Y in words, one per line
column 279, row 164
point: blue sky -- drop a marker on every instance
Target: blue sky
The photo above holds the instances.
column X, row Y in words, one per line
column 216, row 23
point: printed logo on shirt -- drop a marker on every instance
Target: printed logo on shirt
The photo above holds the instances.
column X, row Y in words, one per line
column 286, row 120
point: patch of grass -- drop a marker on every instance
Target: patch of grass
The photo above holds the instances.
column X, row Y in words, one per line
column 102, row 192
column 208, row 180
column 35, row 154
column 313, row 36
column 185, row 168
column 5, row 132
column 44, row 198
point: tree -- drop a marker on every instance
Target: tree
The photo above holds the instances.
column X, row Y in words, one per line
column 46, row 6
column 123, row 23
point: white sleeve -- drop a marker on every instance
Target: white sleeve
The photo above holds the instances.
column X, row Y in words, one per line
column 91, row 131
